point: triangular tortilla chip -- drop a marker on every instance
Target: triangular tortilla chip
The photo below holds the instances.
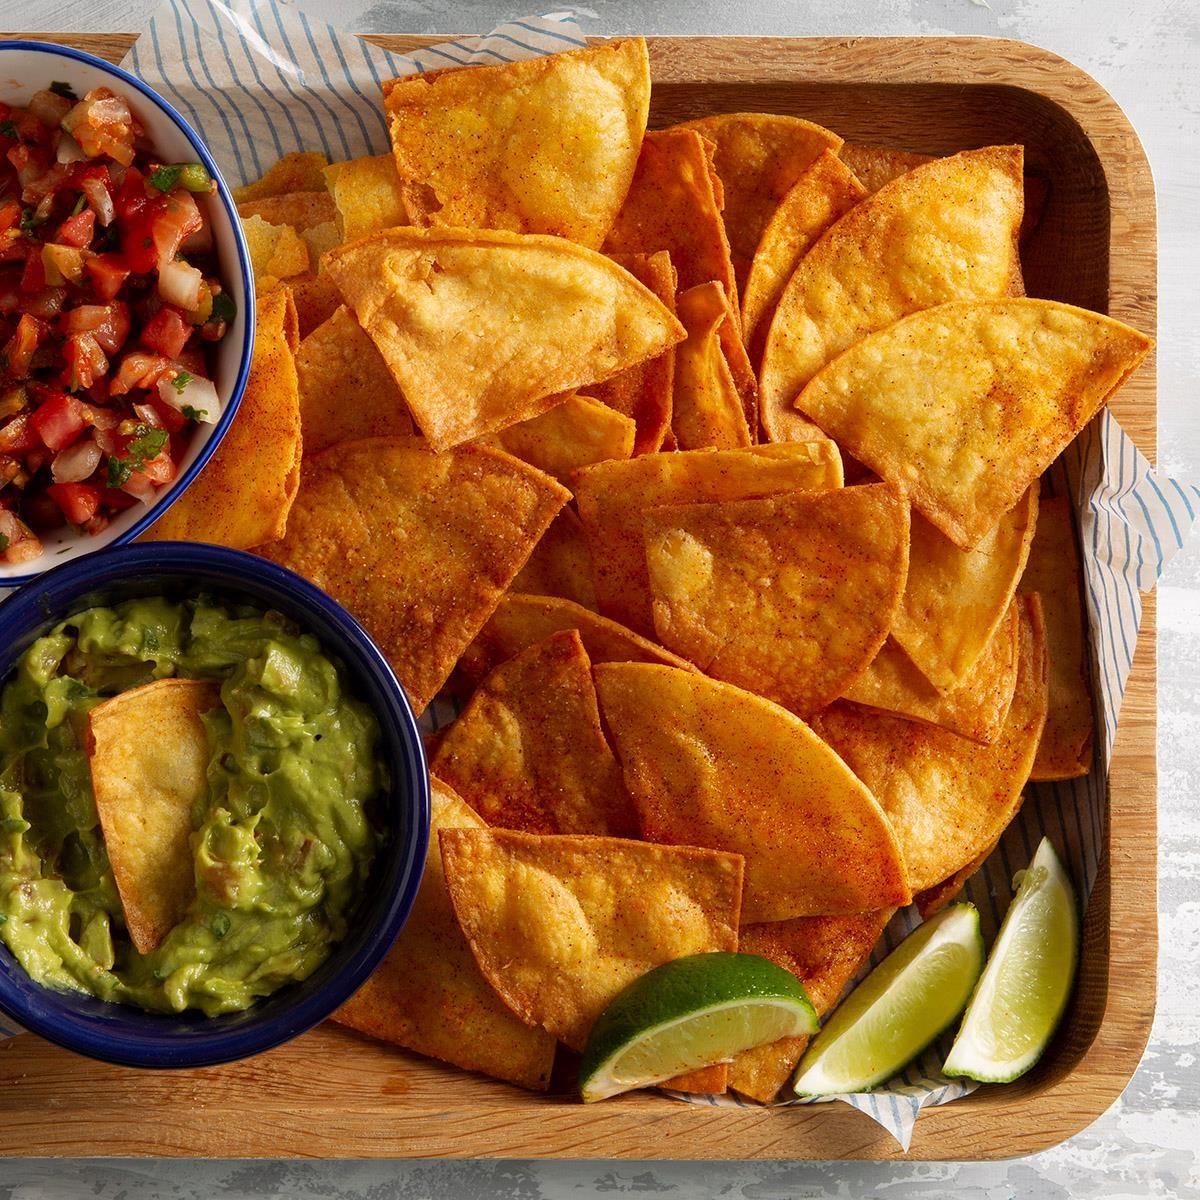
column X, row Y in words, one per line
column 965, row 405
column 483, row 329
column 316, row 297
column 368, row 195
column 712, row 765
column 788, row 596
column 560, row 564
column 300, row 171
column 545, row 145
column 300, row 210
column 560, row 924
column 875, row 166
column 933, row 900
column 614, row 496
column 946, row 231
column 148, row 756
column 528, row 753
column 947, row 798
column 277, row 252
column 418, row 546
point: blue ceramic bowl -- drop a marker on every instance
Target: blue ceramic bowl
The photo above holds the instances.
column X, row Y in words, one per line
column 123, row 1034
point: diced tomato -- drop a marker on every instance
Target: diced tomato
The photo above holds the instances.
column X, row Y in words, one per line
column 18, row 436
column 103, row 125
column 49, row 302
column 34, row 277
column 176, row 221
column 78, row 501
column 108, row 273
column 158, row 415
column 137, row 239
column 31, row 129
column 18, row 351
column 86, row 361
column 139, row 370
column 166, row 332
column 10, row 215
column 31, row 164
column 77, row 230
column 131, row 196
column 21, row 544
column 60, row 420
column 143, row 483
column 107, row 323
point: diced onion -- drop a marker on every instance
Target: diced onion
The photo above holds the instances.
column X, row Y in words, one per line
column 197, row 393
column 49, row 107
column 76, row 462
column 69, row 150
column 179, row 283
column 98, row 199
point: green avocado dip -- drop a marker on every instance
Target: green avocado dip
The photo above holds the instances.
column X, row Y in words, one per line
column 281, row 845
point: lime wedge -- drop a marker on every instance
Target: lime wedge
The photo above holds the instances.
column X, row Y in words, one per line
column 1025, row 986
column 690, row 1013
column 914, row 994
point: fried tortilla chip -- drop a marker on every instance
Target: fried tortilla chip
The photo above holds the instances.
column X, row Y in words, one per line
column 483, row 329
column 300, row 210
column 946, row 231
column 947, row 798
column 712, row 765
column 560, row 564
column 368, row 195
column 428, row 994
column 148, row 758
column 560, row 924
column 1053, row 571
column 934, row 899
column 418, row 546
column 614, row 496
column 316, row 298
column 788, row 596
column 546, row 145
column 300, row 171
column 277, row 252
column 875, row 166
column 965, row 405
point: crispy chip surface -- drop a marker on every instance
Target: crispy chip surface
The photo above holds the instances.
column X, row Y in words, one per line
column 316, row 298
column 560, row 564
column 712, row 765
column 368, row 195
column 934, row 899
column 300, row 210
column 276, row 252
column 300, row 171
column 876, row 165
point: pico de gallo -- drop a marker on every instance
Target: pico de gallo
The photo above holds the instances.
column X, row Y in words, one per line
column 110, row 305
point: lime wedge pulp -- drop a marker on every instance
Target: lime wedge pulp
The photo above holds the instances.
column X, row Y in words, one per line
column 690, row 1013
column 1024, row 989
column 905, row 1002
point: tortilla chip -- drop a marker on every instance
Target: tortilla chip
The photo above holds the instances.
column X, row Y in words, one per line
column 560, row 924
column 299, row 171
column 614, row 496
column 788, row 596
column 705, row 1081
column 148, row 756
column 418, row 546
column 244, row 494
column 483, row 329
column 946, row 231
column 712, row 765
column 300, row 210
column 277, row 252
column 346, row 390
column 1053, row 571
column 875, row 166
column 428, row 994
column 947, row 798
column 934, row 899
column 368, row 195
column 560, row 564
column 316, row 298
column 546, row 145
column 965, row 405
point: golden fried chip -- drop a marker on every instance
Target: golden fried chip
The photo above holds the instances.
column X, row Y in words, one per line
column 876, row 165
column 947, row 798
column 933, row 900
column 483, row 329
column 316, row 297
column 560, row 564
column 788, row 596
column 368, row 195
column 712, row 765
column 946, row 231
column 428, row 994
column 560, row 924
column 614, row 496
column 148, row 757
column 296, row 172
column 321, row 238
column 300, row 210
column 418, row 546
column 277, row 252
column 545, row 145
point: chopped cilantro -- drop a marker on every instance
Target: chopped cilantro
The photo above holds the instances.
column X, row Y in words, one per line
column 79, row 205
column 223, row 307
column 181, row 381
column 166, row 177
column 145, row 446
column 3, row 542
column 194, row 414
column 63, row 89
column 220, row 924
column 8, row 129
column 30, row 220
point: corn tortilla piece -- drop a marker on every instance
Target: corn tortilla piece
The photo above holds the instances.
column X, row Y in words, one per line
column 559, row 924
column 715, row 766
column 300, row 171
column 367, row 194
column 277, row 252
column 947, row 798
column 546, row 145
column 316, row 298
column 933, row 900
column 875, row 166
column 945, row 231
column 560, row 564
column 483, row 328
column 428, row 994
column 300, row 210
column 787, row 596
column 418, row 546
column 1053, row 571
column 704, row 1081
column 148, row 757
column 613, row 497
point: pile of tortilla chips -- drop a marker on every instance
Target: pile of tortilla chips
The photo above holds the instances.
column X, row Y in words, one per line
column 703, row 465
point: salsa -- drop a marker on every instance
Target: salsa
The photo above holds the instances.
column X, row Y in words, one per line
column 281, row 845
column 110, row 303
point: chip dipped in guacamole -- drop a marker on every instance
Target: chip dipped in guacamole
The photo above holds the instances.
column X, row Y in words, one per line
column 282, row 825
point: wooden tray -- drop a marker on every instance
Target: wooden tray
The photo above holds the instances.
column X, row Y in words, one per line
column 334, row 1094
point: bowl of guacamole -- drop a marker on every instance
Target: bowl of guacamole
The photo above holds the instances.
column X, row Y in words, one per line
column 213, row 805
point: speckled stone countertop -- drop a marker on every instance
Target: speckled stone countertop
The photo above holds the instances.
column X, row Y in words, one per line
column 1146, row 53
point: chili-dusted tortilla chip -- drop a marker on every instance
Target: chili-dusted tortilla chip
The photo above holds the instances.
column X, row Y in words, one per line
column 316, row 297
column 546, row 145
column 244, row 494
column 945, row 231
column 483, row 329
column 368, row 195
column 788, row 596
column 560, row 924
column 418, row 546
column 614, row 496
column 148, row 758
column 277, row 252
column 934, row 899
column 428, row 994
column 296, row 172
column 300, row 210
column 965, row 405
column 712, row 765
column 875, row 166
column 1053, row 571
column 947, row 798
column 560, row 564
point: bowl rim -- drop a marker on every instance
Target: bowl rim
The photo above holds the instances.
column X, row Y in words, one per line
column 247, row 299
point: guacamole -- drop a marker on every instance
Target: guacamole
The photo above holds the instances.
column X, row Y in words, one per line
column 282, row 843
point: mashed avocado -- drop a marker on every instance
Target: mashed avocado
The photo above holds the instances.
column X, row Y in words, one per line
column 283, row 840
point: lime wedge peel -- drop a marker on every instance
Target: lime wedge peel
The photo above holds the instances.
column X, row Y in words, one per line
column 689, row 1013
column 1024, row 989
column 916, row 993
